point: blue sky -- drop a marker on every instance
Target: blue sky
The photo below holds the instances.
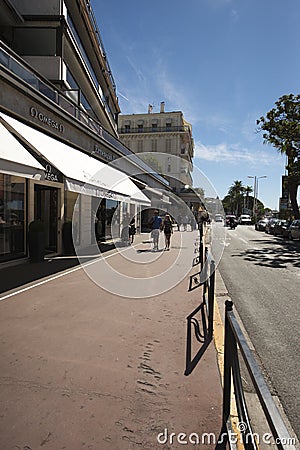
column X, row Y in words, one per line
column 224, row 63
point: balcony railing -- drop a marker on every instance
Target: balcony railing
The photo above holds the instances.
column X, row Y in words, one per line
column 100, row 42
column 14, row 65
column 166, row 129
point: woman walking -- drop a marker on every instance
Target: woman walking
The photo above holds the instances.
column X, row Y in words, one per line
column 167, row 227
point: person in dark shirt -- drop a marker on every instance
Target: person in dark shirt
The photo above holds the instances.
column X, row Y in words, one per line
column 167, row 228
column 132, row 230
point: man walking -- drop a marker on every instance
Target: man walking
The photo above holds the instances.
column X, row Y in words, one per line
column 155, row 222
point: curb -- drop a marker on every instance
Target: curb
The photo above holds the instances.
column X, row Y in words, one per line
column 221, row 294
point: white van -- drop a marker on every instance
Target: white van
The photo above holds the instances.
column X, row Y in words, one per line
column 245, row 219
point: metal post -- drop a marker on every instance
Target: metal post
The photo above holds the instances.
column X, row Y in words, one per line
column 211, row 300
column 228, row 343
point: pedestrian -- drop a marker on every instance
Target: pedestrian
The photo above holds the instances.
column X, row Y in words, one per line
column 155, row 223
column 185, row 221
column 167, row 228
column 132, row 230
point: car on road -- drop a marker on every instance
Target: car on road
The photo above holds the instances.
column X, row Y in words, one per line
column 218, row 218
column 281, row 228
column 245, row 219
column 261, row 224
column 270, row 225
column 294, row 229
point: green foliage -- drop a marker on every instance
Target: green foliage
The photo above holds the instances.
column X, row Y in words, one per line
column 281, row 128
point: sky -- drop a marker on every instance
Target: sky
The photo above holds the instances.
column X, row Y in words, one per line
column 223, row 63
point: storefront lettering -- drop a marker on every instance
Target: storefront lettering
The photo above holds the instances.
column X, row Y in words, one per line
column 49, row 175
column 46, row 120
column 104, row 154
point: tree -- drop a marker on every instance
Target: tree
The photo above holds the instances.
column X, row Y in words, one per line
column 236, row 192
column 247, row 191
column 281, row 128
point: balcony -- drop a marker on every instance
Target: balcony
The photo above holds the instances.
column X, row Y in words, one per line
column 13, row 65
column 165, row 129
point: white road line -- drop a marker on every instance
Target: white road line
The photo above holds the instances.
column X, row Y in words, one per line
column 243, row 240
column 40, row 283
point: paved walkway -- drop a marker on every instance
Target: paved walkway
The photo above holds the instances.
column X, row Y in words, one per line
column 85, row 368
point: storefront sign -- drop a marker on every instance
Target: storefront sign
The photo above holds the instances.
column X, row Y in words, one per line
column 46, row 120
column 105, row 155
column 52, row 174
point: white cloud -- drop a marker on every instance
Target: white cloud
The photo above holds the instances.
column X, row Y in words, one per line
column 235, row 154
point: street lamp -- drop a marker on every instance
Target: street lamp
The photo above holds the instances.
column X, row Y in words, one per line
column 255, row 193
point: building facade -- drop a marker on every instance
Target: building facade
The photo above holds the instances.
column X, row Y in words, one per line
column 61, row 161
column 167, row 134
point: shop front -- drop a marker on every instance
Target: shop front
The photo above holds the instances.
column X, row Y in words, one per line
column 73, row 187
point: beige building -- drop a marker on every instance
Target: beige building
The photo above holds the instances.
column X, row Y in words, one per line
column 166, row 140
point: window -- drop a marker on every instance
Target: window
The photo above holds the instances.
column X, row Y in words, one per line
column 182, row 151
column 154, row 127
column 168, row 145
column 140, row 128
column 140, row 146
column 168, row 126
column 12, row 216
column 127, row 128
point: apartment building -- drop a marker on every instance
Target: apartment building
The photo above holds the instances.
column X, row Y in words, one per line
column 166, row 138
column 60, row 156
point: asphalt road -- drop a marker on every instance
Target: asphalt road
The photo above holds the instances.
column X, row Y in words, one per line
column 262, row 275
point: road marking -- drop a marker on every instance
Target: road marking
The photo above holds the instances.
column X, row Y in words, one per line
column 40, row 283
column 243, row 240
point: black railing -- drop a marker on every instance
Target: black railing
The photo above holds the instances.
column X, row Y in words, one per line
column 201, row 319
column 234, row 341
column 166, row 129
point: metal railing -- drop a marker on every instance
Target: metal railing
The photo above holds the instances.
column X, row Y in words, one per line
column 202, row 317
column 235, row 342
column 165, row 129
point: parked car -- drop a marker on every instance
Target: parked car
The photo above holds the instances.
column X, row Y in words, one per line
column 218, row 218
column 270, row 225
column 261, row 224
column 227, row 220
column 281, row 228
column 245, row 219
column 294, row 229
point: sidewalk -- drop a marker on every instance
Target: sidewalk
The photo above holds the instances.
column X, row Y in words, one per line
column 84, row 368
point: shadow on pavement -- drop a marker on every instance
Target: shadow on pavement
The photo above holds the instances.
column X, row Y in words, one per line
column 22, row 273
column 277, row 257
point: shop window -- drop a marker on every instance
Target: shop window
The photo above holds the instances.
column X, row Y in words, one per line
column 107, row 219
column 12, row 217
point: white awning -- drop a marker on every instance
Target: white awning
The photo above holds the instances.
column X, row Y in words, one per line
column 84, row 174
column 15, row 159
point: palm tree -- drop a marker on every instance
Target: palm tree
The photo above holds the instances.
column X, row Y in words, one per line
column 236, row 192
column 247, row 190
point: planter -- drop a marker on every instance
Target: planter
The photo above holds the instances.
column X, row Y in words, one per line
column 36, row 241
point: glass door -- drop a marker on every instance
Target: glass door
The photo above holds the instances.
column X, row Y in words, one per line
column 46, row 210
